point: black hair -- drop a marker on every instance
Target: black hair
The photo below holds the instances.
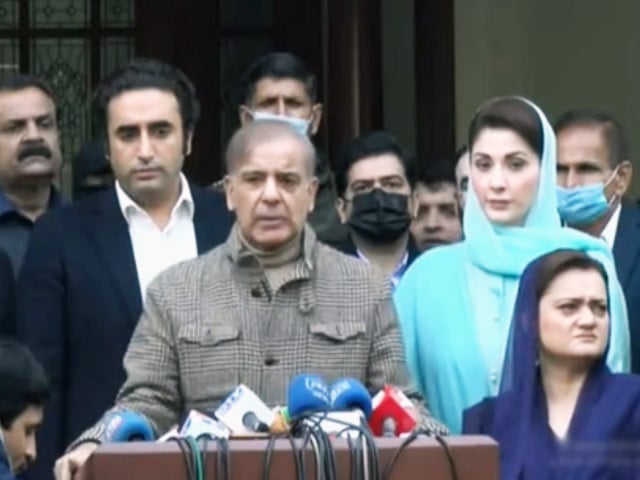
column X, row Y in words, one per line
column 279, row 65
column 463, row 150
column 23, row 382
column 512, row 113
column 614, row 134
column 21, row 81
column 368, row 145
column 438, row 173
column 145, row 73
column 561, row 261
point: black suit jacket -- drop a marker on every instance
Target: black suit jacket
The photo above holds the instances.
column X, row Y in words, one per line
column 7, row 296
column 626, row 252
column 79, row 301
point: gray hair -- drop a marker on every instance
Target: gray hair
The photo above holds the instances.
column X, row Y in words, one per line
column 246, row 138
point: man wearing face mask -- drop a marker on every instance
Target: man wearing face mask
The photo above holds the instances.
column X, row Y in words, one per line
column 594, row 173
column 280, row 86
column 377, row 202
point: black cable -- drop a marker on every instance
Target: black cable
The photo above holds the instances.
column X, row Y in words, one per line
column 298, row 456
column 203, row 455
column 224, row 459
column 353, row 460
column 453, row 471
column 392, row 463
column 223, row 463
column 266, row 465
column 186, row 455
column 447, row 451
column 364, row 435
column 325, row 447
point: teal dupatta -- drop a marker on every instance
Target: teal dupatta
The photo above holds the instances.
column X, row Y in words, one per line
column 442, row 296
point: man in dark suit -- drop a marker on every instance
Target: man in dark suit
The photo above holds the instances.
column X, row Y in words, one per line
column 594, row 173
column 7, row 296
column 377, row 201
column 30, row 159
column 83, row 282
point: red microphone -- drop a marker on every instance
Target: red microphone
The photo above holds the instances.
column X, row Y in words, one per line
column 393, row 413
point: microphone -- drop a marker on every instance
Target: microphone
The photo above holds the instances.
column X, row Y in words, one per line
column 350, row 394
column 238, row 410
column 253, row 423
column 350, row 405
column 307, row 393
column 128, row 426
column 198, row 424
column 393, row 413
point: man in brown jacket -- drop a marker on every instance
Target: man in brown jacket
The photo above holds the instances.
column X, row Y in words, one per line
column 270, row 303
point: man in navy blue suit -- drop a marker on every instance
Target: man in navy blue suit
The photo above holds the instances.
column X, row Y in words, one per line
column 87, row 267
column 594, row 173
column 7, row 295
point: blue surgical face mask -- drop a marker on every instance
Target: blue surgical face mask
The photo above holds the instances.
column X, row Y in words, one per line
column 584, row 205
column 300, row 124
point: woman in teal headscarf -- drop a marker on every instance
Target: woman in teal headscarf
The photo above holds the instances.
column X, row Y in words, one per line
column 455, row 303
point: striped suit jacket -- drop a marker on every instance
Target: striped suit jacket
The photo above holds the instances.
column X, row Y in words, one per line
column 213, row 322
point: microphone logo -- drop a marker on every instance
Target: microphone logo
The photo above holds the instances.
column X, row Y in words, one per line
column 317, row 387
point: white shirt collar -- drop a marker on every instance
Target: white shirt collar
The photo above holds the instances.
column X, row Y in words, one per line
column 610, row 229
column 128, row 206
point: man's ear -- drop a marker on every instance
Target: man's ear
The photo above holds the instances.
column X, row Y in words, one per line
column 245, row 115
column 341, row 208
column 414, row 204
column 316, row 114
column 313, row 191
column 188, row 140
column 228, row 192
column 623, row 178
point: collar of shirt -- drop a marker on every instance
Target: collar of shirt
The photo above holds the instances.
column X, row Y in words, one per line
column 6, row 206
column 399, row 270
column 129, row 208
column 239, row 254
column 609, row 232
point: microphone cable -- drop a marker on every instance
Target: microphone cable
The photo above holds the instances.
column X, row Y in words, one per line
column 323, row 448
column 298, row 457
column 187, row 456
column 364, row 450
column 223, row 461
column 453, row 471
column 197, row 457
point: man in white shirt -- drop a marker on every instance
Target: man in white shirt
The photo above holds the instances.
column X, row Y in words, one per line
column 594, row 173
column 84, row 277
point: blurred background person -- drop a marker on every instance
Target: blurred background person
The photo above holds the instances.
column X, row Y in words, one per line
column 91, row 170
column 376, row 201
column 439, row 218
column 462, row 174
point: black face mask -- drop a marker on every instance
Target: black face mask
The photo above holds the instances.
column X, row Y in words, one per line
column 380, row 216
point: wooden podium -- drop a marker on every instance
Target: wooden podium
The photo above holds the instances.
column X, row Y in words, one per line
column 475, row 458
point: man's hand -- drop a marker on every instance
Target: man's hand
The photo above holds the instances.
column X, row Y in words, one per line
column 68, row 465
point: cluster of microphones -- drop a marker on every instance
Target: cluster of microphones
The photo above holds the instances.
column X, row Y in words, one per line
column 310, row 401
